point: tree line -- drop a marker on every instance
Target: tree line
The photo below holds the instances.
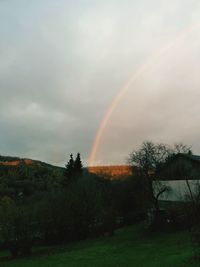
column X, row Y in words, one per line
column 44, row 206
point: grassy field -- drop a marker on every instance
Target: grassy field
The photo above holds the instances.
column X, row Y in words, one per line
column 127, row 248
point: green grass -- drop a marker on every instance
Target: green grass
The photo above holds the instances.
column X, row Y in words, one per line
column 127, row 248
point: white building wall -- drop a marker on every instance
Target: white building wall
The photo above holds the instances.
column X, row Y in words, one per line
column 179, row 190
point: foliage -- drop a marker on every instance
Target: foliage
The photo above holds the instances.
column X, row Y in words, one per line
column 44, row 205
column 17, row 225
column 78, row 166
column 73, row 170
column 147, row 159
column 129, row 198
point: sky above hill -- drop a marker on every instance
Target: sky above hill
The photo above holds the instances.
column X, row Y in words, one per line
column 63, row 62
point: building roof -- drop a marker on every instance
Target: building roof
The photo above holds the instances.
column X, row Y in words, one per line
column 180, row 167
column 192, row 157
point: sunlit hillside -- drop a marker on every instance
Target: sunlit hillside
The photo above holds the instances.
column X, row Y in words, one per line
column 112, row 171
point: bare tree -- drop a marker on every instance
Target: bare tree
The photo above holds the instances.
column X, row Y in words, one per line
column 148, row 159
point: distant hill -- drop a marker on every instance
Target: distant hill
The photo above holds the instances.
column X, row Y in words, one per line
column 16, row 161
column 111, row 171
column 8, row 158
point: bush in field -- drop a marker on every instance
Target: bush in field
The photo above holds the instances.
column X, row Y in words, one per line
column 16, row 227
column 85, row 202
column 129, row 197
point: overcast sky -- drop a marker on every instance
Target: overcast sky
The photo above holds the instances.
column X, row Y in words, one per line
column 63, row 62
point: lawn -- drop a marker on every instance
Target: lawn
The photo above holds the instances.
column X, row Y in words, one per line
column 129, row 247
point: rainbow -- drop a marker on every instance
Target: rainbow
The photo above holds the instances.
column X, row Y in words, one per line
column 149, row 63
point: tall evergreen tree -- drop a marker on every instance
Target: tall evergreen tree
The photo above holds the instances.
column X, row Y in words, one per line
column 73, row 169
column 69, row 171
column 78, row 166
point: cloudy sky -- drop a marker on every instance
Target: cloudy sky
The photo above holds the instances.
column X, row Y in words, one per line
column 63, row 62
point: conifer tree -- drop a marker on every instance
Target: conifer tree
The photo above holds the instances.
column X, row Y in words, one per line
column 73, row 169
column 78, row 166
column 69, row 171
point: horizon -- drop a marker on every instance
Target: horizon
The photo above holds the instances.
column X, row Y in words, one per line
column 14, row 159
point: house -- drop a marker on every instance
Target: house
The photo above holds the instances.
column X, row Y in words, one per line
column 181, row 174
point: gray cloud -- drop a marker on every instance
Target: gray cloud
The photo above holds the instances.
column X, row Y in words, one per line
column 62, row 63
